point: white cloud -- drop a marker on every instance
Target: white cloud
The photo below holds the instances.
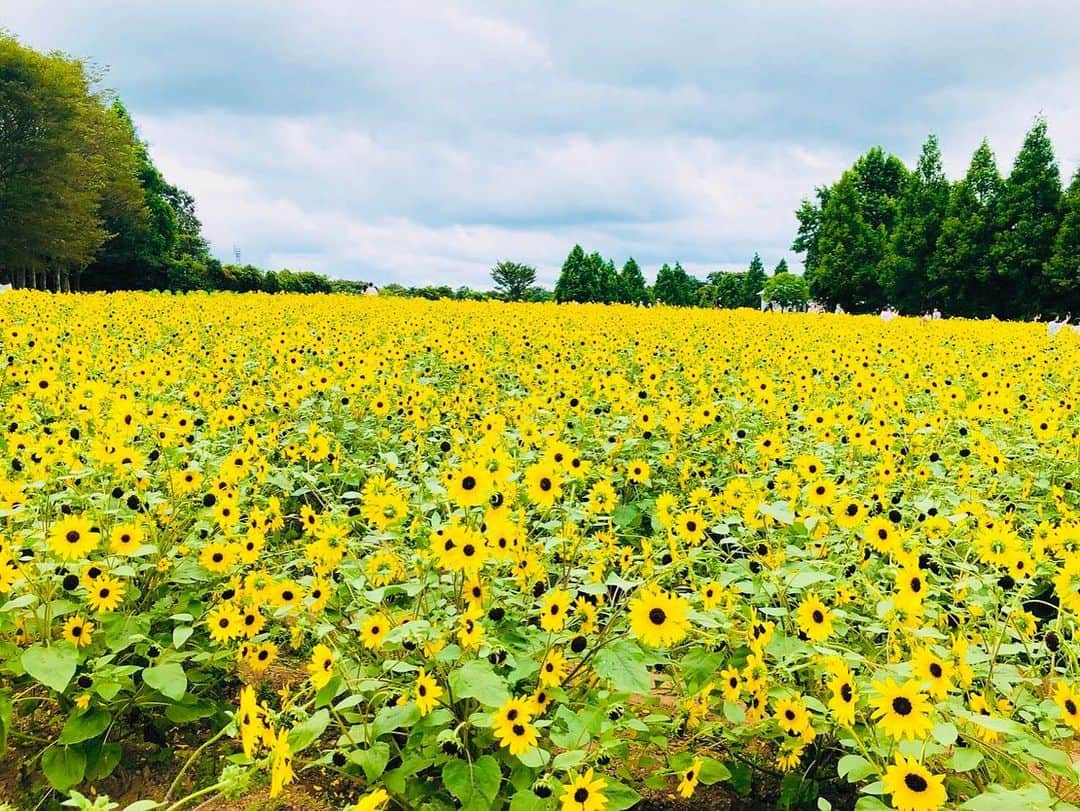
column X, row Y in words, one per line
column 420, row 142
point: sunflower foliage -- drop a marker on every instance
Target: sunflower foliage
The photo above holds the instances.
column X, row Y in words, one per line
column 490, row 555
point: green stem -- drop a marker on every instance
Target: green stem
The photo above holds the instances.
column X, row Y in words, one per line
column 187, row 765
column 195, row 795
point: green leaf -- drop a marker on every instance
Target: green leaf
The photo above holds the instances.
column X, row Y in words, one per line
column 181, row 634
column 487, row 777
column 742, row 777
column 390, row 718
column 5, row 719
column 568, row 760
column 302, row 736
column 123, row 630
column 53, row 666
column 699, row 667
column 189, row 710
column 574, row 731
column 329, row 691
column 809, row 577
column 480, row 782
column 620, row 796
column 623, row 663
column 1033, row 797
column 89, row 724
column 855, row 768
column 945, row 734
column 104, row 761
column 373, row 761
column 734, row 712
column 168, row 679
column 965, row 759
column 535, row 758
column 713, row 771
column 64, row 766
column 525, row 800
column 870, row 804
column 625, row 515
column 477, row 679
column 796, row 791
column 143, row 805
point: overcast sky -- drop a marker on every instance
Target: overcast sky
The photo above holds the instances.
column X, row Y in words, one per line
column 421, row 142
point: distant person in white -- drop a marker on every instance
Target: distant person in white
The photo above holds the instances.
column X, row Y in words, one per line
column 1054, row 327
column 888, row 314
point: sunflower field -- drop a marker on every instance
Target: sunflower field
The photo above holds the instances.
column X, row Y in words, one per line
column 525, row 557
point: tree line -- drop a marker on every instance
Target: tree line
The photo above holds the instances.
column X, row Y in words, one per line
column 82, row 205
column 592, row 278
column 979, row 246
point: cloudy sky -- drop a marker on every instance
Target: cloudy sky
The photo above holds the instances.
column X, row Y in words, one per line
column 420, row 142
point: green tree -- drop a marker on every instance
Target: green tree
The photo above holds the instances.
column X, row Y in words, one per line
column 573, row 280
column 722, row 289
column 781, row 267
column 141, row 248
column 879, row 178
column 63, row 163
column 1062, row 274
column 753, row 283
column 920, row 214
column 850, row 250
column 787, row 290
column 1027, row 223
column 607, row 287
column 675, row 286
column 806, row 238
column 632, row 288
column 513, row 279
column 81, row 198
column 958, row 277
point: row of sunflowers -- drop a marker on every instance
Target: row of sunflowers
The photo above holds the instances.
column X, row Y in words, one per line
column 487, row 555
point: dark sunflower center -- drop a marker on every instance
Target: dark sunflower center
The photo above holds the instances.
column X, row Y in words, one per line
column 657, row 616
column 468, row 483
column 935, row 670
column 72, row 536
column 581, row 795
column 915, row 782
column 845, row 693
column 818, row 617
column 545, row 484
column 901, row 705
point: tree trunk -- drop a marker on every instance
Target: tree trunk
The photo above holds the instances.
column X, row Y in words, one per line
column 56, row 280
column 66, row 281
